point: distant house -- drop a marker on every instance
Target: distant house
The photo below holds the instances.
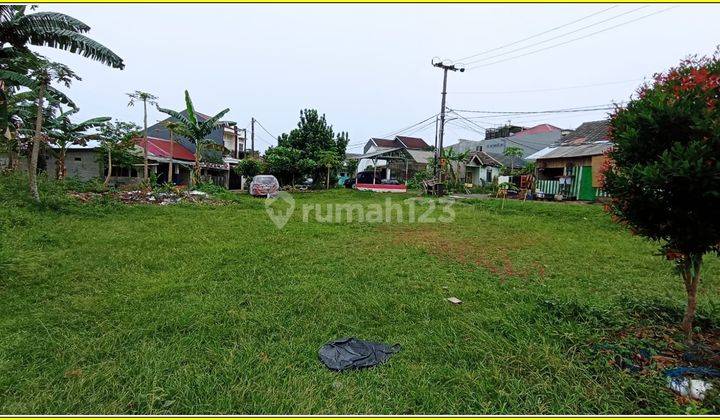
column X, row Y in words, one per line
column 571, row 167
column 81, row 161
column 232, row 139
column 217, row 162
column 399, row 158
column 482, row 168
column 530, row 140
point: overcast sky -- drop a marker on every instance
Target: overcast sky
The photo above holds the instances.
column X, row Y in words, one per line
column 367, row 67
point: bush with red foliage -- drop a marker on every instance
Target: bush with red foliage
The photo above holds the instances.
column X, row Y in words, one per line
column 664, row 177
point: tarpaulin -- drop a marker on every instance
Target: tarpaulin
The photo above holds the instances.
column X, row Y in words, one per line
column 351, row 353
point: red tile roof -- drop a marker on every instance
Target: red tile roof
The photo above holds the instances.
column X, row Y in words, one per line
column 542, row 128
column 413, row 142
column 161, row 148
column 384, row 142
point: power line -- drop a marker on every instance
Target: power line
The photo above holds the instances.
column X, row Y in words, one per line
column 419, row 129
column 396, row 132
column 265, row 129
column 536, row 35
column 497, row 92
column 558, row 36
column 494, row 114
column 574, row 39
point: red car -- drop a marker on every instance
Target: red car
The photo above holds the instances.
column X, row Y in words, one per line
column 264, row 185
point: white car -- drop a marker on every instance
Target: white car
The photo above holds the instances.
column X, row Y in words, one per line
column 264, row 186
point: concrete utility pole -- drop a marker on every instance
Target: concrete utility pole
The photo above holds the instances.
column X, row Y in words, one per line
column 252, row 135
column 441, row 131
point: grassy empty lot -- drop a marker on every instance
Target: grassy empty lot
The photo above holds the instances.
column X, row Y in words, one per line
column 212, row 309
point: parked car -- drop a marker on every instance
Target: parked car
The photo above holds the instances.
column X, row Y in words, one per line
column 364, row 177
column 264, row 185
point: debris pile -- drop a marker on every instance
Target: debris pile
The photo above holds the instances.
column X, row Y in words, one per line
column 689, row 370
column 146, row 197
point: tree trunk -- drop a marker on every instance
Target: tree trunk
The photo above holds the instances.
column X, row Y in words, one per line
column 13, row 156
column 170, row 165
column 146, row 174
column 690, row 272
column 109, row 168
column 35, row 153
column 61, row 165
column 197, row 166
column 327, row 181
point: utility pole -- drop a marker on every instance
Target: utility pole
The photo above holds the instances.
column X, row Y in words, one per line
column 436, row 164
column 441, row 131
column 252, row 135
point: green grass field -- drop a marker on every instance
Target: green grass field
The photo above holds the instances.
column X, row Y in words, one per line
column 198, row 309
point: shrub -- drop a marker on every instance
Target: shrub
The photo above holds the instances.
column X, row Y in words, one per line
column 664, row 170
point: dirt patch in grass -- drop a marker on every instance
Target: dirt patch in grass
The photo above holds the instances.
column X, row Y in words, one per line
column 481, row 252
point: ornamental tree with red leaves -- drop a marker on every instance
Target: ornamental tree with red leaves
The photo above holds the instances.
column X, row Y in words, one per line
column 664, row 173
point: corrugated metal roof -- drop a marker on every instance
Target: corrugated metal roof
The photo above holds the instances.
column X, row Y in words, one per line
column 421, row 156
column 161, row 148
column 377, row 152
column 592, row 149
column 541, row 153
column 90, row 145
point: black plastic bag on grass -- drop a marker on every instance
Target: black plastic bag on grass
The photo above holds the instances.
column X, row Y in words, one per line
column 351, row 353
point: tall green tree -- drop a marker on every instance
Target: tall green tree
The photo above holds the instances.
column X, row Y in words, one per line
column 313, row 137
column 197, row 130
column 664, row 168
column 62, row 132
column 328, row 159
column 287, row 163
column 146, row 98
column 116, row 142
column 513, row 152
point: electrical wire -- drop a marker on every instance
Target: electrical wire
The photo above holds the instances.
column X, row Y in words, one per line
column 397, row 132
column 265, row 129
column 571, row 40
column 494, row 114
column 497, row 92
column 558, row 36
column 536, row 35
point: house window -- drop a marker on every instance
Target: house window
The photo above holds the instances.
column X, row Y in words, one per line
column 77, row 159
column 488, row 175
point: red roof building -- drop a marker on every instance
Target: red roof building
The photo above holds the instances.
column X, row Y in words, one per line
column 538, row 129
column 161, row 148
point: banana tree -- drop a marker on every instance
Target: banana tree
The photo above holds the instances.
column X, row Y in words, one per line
column 197, row 130
column 453, row 160
column 50, row 29
column 63, row 133
column 18, row 29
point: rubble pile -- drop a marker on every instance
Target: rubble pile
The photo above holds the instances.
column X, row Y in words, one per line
column 146, row 197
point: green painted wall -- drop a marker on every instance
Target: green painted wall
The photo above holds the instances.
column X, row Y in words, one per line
column 587, row 192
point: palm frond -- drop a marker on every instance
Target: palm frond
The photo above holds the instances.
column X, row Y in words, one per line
column 76, row 43
column 19, row 79
column 214, row 122
column 190, row 109
column 178, row 116
column 92, row 123
column 50, row 21
column 55, row 96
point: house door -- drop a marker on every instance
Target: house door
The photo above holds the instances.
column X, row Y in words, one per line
column 488, row 175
